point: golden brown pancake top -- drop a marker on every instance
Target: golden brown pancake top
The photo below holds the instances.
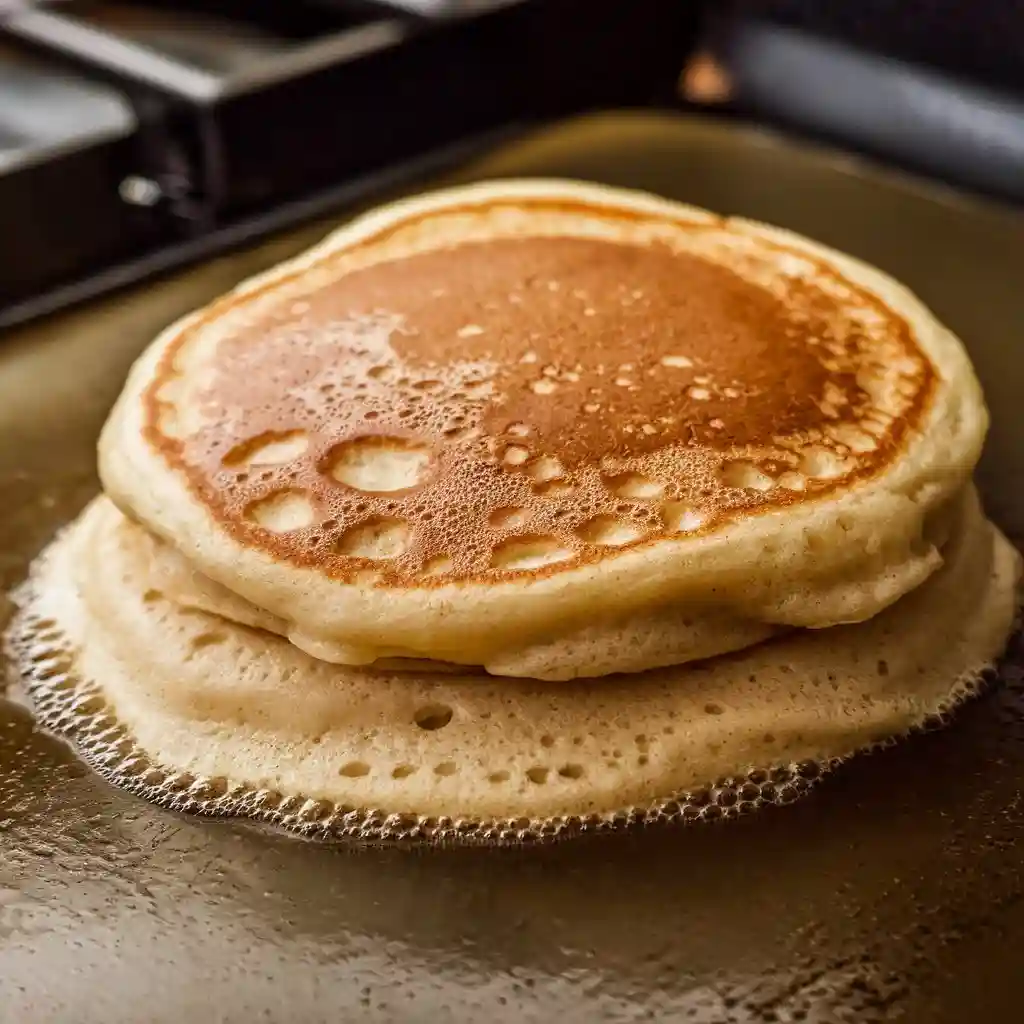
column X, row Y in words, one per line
column 532, row 403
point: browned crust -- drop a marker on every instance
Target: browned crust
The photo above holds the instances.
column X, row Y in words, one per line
column 308, row 547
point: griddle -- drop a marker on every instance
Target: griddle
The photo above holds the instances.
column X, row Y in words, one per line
column 894, row 891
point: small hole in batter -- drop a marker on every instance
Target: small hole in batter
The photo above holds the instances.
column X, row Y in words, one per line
column 433, row 716
column 209, row 639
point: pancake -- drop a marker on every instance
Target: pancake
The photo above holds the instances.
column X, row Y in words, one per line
column 632, row 643
column 204, row 715
column 523, row 425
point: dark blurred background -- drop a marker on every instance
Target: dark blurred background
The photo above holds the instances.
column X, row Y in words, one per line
column 982, row 41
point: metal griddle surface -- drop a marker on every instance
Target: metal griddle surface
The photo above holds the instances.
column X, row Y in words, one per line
column 895, row 890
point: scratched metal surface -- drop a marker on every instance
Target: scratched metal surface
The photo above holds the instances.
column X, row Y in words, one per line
column 894, row 891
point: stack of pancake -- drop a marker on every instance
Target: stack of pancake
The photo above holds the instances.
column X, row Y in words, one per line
column 525, row 507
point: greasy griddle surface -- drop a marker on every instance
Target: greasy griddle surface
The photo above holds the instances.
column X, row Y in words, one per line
column 895, row 890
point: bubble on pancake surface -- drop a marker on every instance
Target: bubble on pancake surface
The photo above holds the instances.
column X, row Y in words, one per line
column 437, row 565
column 509, row 517
column 680, row 517
column 608, row 531
column 677, row 362
column 634, row 485
column 377, row 539
column 544, row 469
column 400, row 402
column 380, row 464
column 270, row 449
column 282, row 511
column 515, row 455
column 792, row 481
column 519, row 554
column 822, row 463
column 857, row 440
column 745, row 476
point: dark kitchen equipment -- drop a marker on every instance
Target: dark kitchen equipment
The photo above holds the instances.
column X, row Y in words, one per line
column 199, row 124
